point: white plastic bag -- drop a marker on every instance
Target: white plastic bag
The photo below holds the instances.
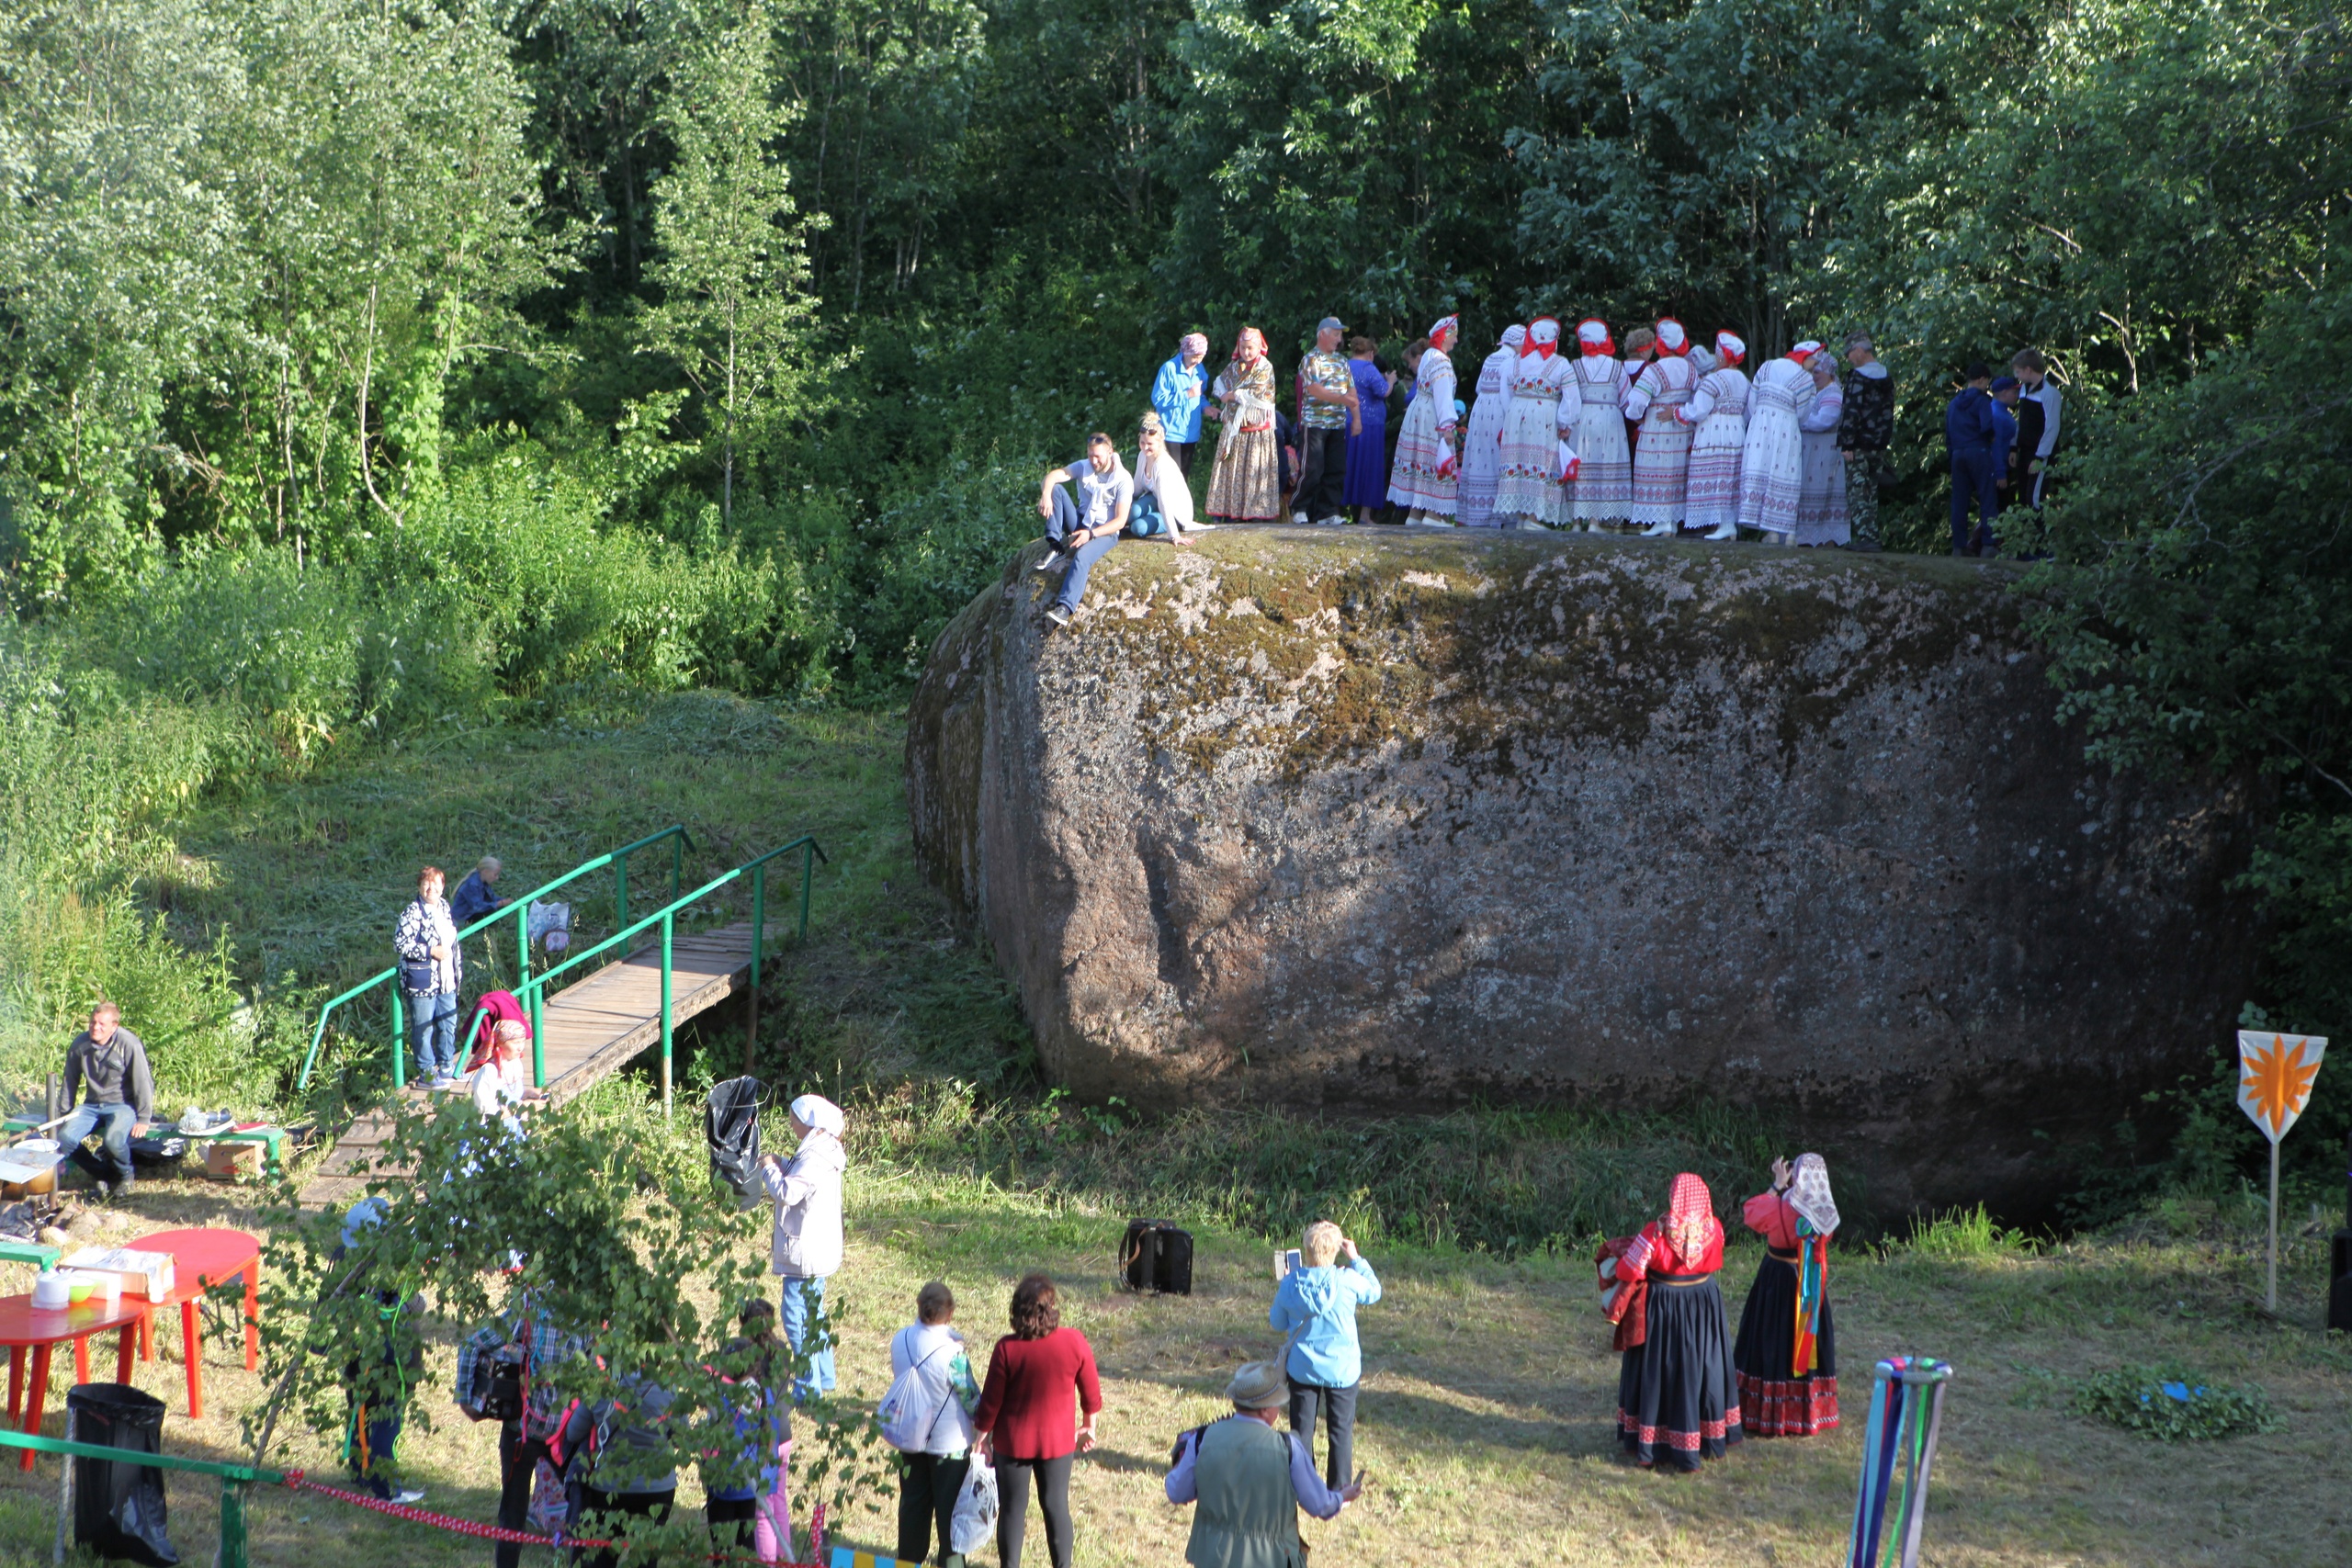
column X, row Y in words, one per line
column 550, row 924
column 974, row 1525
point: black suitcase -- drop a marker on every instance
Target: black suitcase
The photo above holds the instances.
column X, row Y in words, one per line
column 1157, row 1256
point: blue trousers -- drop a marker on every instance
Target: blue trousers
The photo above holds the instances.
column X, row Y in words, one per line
column 1082, row 562
column 433, row 1024
column 114, row 1123
column 803, row 1310
column 1972, row 483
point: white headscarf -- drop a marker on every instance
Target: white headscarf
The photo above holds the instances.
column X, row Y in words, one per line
column 1730, row 347
column 1513, row 336
column 819, row 1114
column 1592, row 335
column 1809, row 1194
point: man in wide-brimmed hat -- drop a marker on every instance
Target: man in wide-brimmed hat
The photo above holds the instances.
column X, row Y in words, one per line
column 1250, row 1479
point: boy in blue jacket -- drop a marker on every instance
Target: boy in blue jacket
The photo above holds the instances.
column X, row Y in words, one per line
column 1316, row 1306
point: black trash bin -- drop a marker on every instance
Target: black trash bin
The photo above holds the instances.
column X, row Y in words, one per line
column 117, row 1504
column 732, row 1126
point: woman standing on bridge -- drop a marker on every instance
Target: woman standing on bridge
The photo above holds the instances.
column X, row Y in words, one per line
column 1787, row 1353
column 807, row 1245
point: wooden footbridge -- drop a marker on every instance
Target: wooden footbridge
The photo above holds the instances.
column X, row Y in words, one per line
column 595, row 1010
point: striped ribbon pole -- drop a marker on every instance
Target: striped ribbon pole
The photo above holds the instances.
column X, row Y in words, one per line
column 1898, row 1445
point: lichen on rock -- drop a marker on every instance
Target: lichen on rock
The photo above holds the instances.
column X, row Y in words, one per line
column 1375, row 818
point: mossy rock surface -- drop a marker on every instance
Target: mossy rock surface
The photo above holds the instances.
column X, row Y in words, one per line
column 1364, row 817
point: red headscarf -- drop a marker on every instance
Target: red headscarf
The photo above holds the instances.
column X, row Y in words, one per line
column 1250, row 346
column 1803, row 353
column 1671, row 338
column 1689, row 1218
column 1541, row 343
column 1592, row 333
column 1730, row 348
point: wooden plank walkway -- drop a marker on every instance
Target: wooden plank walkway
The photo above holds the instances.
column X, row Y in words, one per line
column 593, row 1029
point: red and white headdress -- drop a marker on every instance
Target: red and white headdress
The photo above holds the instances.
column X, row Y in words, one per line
column 1689, row 1218
column 1592, row 335
column 1730, row 347
column 1542, row 333
column 1671, row 338
column 1443, row 325
column 1803, row 353
column 1250, row 346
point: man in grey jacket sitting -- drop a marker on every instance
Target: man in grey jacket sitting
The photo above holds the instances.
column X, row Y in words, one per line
column 1250, row 1480
column 106, row 1064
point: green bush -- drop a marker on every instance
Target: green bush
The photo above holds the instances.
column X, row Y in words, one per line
column 2171, row 1403
column 1966, row 1235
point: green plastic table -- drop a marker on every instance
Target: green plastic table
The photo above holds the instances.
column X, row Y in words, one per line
column 35, row 1252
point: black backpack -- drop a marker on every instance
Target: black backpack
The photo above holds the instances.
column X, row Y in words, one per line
column 1157, row 1256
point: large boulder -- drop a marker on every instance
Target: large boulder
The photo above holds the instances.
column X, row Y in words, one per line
column 1370, row 818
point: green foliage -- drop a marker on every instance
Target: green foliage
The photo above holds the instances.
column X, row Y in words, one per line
column 603, row 1218
column 2173, row 1402
column 1966, row 1235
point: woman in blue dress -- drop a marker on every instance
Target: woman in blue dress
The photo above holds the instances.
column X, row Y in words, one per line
column 1367, row 480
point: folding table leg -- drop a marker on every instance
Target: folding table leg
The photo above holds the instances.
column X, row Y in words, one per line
column 195, row 1355
column 146, row 1335
column 123, row 1343
column 81, row 1357
column 35, row 1397
column 252, row 1315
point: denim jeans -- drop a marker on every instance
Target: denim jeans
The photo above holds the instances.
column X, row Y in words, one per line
column 114, row 1123
column 1081, row 561
column 433, row 1024
column 1971, row 485
column 803, row 1309
column 1339, row 1425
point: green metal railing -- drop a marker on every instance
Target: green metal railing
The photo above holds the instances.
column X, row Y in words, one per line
column 532, row 989
column 234, row 1478
column 519, row 911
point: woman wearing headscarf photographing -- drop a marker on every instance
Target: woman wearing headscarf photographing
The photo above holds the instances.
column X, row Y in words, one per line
column 1787, row 1352
column 807, row 1245
column 1245, row 486
column 1676, row 1398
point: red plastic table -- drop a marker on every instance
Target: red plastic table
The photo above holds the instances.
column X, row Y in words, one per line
column 201, row 1260
column 23, row 1326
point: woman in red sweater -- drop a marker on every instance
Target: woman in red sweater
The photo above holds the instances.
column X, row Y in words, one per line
column 1028, row 1422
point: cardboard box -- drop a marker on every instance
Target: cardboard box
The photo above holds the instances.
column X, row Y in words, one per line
column 228, row 1162
column 147, row 1274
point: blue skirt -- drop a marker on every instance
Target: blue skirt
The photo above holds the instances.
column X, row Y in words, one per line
column 1367, row 483
column 1677, row 1399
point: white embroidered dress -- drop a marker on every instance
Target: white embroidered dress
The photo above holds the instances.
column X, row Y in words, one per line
column 1662, row 456
column 1771, row 463
column 1530, row 483
column 1717, row 415
column 1413, row 481
column 1821, row 501
column 1602, row 490
column 1482, row 440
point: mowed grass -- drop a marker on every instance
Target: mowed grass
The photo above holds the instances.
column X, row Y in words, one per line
column 1486, row 1421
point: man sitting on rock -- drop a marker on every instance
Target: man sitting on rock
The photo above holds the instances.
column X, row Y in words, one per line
column 107, row 1066
column 1083, row 531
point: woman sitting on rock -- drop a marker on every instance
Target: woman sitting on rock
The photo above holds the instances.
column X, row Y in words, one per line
column 1676, row 1396
column 1787, row 1352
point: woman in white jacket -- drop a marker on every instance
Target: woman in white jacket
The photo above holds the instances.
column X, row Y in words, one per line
column 807, row 1245
column 945, row 1394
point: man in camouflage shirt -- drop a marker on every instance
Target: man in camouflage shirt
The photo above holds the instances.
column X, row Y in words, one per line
column 1864, row 434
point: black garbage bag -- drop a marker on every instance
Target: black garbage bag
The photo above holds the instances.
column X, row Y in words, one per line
column 731, row 1124
column 119, row 1504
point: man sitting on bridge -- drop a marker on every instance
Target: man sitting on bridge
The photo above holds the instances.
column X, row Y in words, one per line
column 107, row 1065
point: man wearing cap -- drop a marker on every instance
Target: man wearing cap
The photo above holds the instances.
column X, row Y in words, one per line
column 1865, row 432
column 1328, row 412
column 1176, row 395
column 1249, row 1480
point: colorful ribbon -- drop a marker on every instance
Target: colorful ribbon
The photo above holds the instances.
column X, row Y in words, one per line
column 1899, row 1438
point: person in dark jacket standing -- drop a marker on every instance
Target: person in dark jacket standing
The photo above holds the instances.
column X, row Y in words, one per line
column 1864, row 433
column 1969, row 432
column 106, row 1064
column 2037, row 424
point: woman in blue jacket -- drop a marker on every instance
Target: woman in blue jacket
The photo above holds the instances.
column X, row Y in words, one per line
column 1316, row 1306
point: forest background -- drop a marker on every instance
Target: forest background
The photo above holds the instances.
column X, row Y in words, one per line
column 375, row 369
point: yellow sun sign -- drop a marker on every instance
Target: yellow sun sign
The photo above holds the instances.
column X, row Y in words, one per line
column 2275, row 1074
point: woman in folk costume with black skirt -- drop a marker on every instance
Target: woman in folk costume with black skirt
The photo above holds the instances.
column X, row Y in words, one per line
column 1676, row 1402
column 1787, row 1353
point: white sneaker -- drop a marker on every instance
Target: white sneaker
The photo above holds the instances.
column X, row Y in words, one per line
column 407, row 1496
column 1054, row 560
column 1299, row 518
column 1729, row 531
column 1334, row 521
column 1058, row 615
